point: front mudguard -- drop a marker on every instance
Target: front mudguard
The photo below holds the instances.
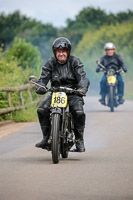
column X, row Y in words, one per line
column 56, row 111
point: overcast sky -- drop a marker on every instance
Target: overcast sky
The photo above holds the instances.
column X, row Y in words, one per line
column 57, row 11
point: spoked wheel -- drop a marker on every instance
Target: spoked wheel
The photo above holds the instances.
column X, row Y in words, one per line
column 111, row 98
column 55, row 138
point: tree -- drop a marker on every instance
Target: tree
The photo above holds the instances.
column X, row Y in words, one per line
column 41, row 35
column 92, row 19
column 10, row 26
column 124, row 16
column 24, row 53
column 37, row 33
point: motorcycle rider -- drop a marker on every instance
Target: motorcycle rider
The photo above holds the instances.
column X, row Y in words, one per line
column 69, row 71
column 115, row 61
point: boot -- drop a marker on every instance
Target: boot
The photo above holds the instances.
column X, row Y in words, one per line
column 121, row 100
column 79, row 140
column 102, row 100
column 46, row 133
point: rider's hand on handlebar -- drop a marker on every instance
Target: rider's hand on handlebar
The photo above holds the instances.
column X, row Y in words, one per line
column 82, row 91
column 98, row 70
column 40, row 90
column 125, row 70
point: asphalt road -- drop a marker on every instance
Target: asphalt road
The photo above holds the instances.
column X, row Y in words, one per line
column 103, row 172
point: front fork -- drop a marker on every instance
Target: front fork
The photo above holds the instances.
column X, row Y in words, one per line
column 54, row 111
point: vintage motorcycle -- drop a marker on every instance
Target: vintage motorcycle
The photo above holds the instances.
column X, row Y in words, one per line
column 62, row 135
column 111, row 97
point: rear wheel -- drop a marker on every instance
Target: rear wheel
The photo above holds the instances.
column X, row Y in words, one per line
column 64, row 153
column 55, row 138
column 68, row 137
column 111, row 98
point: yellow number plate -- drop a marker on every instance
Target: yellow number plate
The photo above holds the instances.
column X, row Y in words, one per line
column 59, row 99
column 112, row 79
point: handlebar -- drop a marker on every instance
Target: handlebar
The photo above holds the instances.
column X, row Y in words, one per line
column 120, row 70
column 37, row 84
column 63, row 89
column 104, row 68
column 53, row 89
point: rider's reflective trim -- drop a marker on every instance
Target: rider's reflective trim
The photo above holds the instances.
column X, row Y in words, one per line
column 111, row 79
column 59, row 99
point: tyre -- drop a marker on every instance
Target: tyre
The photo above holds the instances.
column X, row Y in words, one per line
column 64, row 154
column 55, row 138
column 111, row 98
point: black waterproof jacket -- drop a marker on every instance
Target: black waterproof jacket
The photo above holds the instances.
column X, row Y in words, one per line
column 116, row 62
column 71, row 74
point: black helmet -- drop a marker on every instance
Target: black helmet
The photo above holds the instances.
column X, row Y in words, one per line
column 61, row 43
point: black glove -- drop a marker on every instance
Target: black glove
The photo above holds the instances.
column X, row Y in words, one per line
column 125, row 70
column 40, row 90
column 97, row 69
column 82, row 91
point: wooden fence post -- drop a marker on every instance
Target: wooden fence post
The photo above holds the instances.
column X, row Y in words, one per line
column 8, row 91
column 9, row 101
column 21, row 98
column 9, row 98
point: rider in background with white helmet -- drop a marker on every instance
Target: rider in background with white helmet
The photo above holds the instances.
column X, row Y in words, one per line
column 115, row 61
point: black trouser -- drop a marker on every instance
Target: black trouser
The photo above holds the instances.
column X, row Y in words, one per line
column 76, row 107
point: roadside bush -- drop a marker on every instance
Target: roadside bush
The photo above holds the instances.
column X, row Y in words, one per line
column 12, row 75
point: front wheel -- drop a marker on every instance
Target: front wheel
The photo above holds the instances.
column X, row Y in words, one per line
column 55, row 137
column 111, row 98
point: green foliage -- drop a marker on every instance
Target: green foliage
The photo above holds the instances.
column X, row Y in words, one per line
column 124, row 16
column 37, row 33
column 42, row 36
column 13, row 75
column 10, row 25
column 24, row 53
column 92, row 19
column 26, row 115
column 91, row 16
